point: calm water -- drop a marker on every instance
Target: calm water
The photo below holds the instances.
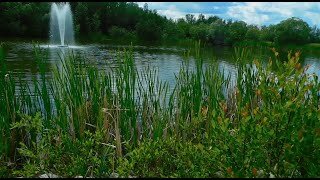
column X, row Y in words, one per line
column 167, row 60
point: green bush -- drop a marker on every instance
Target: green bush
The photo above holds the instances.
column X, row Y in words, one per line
column 89, row 157
column 123, row 34
column 269, row 124
column 55, row 152
column 117, row 32
column 170, row 158
column 4, row 172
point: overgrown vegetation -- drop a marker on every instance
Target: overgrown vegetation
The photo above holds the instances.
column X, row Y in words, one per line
column 82, row 121
column 100, row 21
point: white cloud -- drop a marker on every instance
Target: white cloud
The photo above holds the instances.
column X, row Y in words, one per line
column 247, row 13
column 314, row 17
column 261, row 12
column 176, row 14
column 154, row 5
column 172, row 11
column 141, row 4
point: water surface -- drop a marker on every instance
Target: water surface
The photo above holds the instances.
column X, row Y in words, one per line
column 167, row 60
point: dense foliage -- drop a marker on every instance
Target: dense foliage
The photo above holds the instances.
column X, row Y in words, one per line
column 97, row 20
column 87, row 122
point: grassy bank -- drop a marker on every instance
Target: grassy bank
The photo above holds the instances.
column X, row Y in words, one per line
column 312, row 45
column 128, row 38
column 94, row 123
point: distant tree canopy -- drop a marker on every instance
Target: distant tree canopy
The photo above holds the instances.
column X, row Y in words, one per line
column 128, row 20
column 292, row 30
column 24, row 19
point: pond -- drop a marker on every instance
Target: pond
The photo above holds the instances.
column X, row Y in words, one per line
column 167, row 60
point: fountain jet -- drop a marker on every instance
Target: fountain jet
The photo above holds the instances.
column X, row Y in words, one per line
column 61, row 25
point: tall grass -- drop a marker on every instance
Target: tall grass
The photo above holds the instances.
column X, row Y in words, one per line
column 268, row 120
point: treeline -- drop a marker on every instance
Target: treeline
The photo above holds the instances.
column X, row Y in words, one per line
column 126, row 20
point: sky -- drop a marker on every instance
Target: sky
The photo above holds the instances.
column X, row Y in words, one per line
column 258, row 13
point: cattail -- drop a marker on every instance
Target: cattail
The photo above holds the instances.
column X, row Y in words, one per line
column 6, row 77
column 298, row 66
column 254, row 171
column 204, row 110
column 105, row 110
column 258, row 92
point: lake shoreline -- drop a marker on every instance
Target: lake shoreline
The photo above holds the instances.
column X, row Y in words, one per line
column 185, row 43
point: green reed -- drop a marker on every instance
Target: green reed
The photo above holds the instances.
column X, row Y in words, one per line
column 268, row 120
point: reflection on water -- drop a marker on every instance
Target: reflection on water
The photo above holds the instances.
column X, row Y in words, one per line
column 314, row 65
column 20, row 59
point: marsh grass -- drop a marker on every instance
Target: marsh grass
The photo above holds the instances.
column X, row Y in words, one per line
column 268, row 121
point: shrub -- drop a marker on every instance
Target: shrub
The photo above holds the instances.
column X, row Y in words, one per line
column 170, row 158
column 54, row 151
column 117, row 32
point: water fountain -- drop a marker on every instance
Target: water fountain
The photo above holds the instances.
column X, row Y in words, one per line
column 61, row 25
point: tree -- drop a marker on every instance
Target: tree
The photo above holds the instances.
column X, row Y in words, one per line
column 172, row 31
column 236, row 32
column 145, row 7
column 292, row 30
column 199, row 32
column 81, row 18
column 184, row 27
column 268, row 33
column 150, row 28
column 201, row 19
column 315, row 34
column 217, row 32
column 95, row 23
column 253, row 33
column 24, row 19
column 212, row 19
column 32, row 20
column 190, row 18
